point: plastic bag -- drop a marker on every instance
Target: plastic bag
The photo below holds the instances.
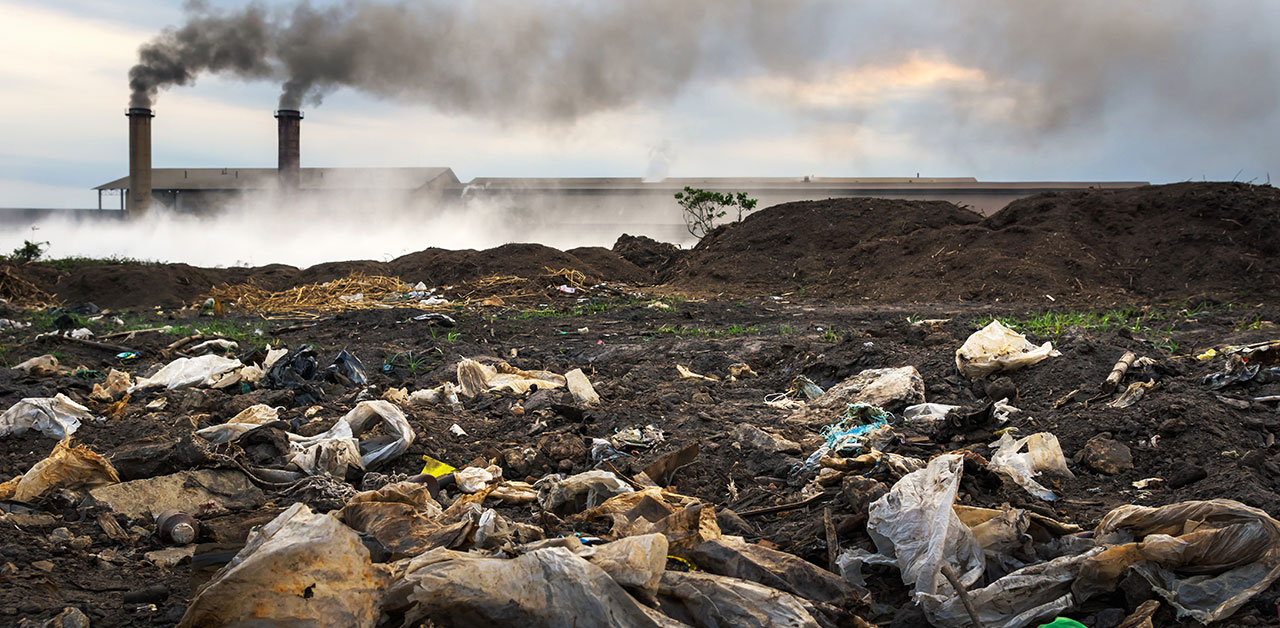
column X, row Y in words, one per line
column 926, row 416
column 347, row 370
column 576, row 493
column 299, row 569
column 914, row 524
column 183, row 372
column 66, row 467
column 378, row 449
column 705, row 600
column 545, row 588
column 56, row 416
column 1206, row 558
column 1043, row 454
column 998, row 348
column 475, row 378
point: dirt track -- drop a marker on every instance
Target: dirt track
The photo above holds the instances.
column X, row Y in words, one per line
column 1203, row 446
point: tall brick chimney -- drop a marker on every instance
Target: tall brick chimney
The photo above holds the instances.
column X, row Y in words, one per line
column 139, row 160
column 290, row 153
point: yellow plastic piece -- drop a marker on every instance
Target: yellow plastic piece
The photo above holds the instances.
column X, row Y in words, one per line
column 435, row 467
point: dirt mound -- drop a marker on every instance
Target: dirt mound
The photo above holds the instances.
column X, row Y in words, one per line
column 808, row 243
column 647, row 253
column 1156, row 242
column 119, row 286
column 609, row 266
column 441, row 266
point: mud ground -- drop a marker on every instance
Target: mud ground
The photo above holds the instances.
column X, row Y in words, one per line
column 629, row 350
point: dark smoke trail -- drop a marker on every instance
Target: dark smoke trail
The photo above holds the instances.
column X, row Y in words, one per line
column 501, row 58
column 1063, row 65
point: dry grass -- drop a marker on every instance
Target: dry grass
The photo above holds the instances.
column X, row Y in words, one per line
column 21, row 292
column 380, row 292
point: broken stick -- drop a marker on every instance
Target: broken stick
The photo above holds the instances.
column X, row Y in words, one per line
column 1118, row 371
column 963, row 593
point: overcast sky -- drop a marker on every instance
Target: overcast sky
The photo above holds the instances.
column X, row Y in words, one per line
column 995, row 89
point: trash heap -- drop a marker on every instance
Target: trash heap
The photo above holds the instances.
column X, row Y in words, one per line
column 555, row 487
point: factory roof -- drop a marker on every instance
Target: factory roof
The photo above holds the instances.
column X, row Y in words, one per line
column 309, row 178
column 936, row 184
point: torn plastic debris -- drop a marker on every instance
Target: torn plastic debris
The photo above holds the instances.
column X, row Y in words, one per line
column 347, row 370
column 861, row 426
column 544, row 588
column 475, row 378
column 66, row 467
column 914, row 524
column 299, row 569
column 1133, row 394
column 183, row 372
column 39, row 366
column 444, row 393
column 56, row 416
column 637, row 438
column 1043, row 454
column 116, row 386
column 706, row 600
column 925, row 417
column 338, row 448
column 473, row 479
column 775, row 569
column 1206, row 558
column 576, row 493
column 998, row 348
column 804, row 386
column 436, row 318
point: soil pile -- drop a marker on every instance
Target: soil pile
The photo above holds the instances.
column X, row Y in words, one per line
column 1159, row 242
column 140, row 286
column 809, row 243
column 647, row 253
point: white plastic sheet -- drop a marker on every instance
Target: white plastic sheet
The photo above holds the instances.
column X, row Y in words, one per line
column 914, row 524
column 56, row 416
column 998, row 348
column 301, row 569
column 1043, row 454
column 183, row 372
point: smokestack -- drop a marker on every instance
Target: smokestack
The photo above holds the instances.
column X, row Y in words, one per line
column 139, row 160
column 290, row 153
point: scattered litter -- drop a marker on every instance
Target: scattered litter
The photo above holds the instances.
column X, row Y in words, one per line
column 68, row 467
column 184, row 372
column 998, row 348
column 40, row 366
column 688, row 374
column 457, row 430
column 637, row 438
column 1132, row 395
column 56, row 416
column 1043, row 454
column 301, row 568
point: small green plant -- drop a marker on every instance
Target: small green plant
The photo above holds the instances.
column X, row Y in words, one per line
column 29, row 251
column 833, row 336
column 786, row 330
column 453, row 336
column 702, row 208
column 1256, row 322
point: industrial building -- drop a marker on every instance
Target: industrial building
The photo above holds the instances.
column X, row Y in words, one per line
column 593, row 201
